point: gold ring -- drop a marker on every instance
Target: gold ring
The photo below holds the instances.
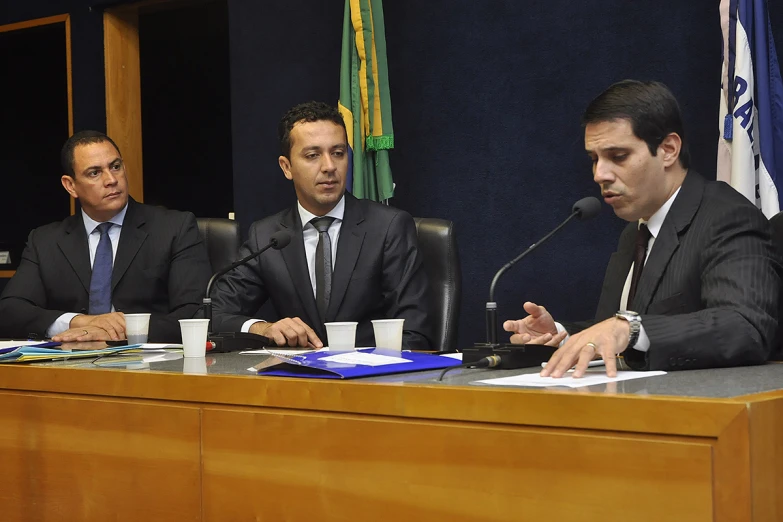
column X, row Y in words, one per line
column 593, row 346
column 86, row 332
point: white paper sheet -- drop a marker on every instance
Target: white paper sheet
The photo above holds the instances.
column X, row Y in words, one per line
column 589, row 379
column 457, row 356
column 364, row 359
column 159, row 346
column 12, row 344
column 272, row 351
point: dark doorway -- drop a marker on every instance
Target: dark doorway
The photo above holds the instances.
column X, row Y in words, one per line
column 186, row 109
column 34, row 92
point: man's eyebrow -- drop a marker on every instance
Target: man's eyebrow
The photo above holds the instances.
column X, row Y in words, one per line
column 613, row 148
column 93, row 167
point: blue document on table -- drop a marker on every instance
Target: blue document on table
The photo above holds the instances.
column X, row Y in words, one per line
column 365, row 362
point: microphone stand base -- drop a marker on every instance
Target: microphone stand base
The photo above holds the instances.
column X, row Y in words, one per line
column 513, row 355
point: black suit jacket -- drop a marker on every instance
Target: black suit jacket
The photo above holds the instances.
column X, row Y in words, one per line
column 161, row 267
column 709, row 292
column 378, row 274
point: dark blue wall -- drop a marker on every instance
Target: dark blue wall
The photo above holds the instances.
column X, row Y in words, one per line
column 486, row 102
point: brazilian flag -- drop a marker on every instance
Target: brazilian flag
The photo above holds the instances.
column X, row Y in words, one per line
column 364, row 100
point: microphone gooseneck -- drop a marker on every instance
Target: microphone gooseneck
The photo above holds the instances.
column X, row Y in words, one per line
column 583, row 209
column 279, row 239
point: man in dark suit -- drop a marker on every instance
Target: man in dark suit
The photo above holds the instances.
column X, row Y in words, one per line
column 695, row 281
column 349, row 259
column 79, row 276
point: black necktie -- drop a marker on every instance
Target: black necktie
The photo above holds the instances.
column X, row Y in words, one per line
column 100, row 283
column 640, row 253
column 323, row 264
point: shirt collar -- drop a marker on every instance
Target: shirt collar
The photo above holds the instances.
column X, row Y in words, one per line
column 337, row 212
column 90, row 224
column 656, row 220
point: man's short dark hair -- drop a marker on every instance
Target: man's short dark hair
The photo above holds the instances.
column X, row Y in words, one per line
column 309, row 112
column 85, row 137
column 651, row 108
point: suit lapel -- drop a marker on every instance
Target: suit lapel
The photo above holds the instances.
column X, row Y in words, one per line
column 76, row 250
column 348, row 247
column 677, row 221
column 296, row 264
column 131, row 239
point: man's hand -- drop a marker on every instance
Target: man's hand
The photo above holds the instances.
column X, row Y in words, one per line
column 536, row 328
column 85, row 333
column 112, row 323
column 288, row 332
column 605, row 339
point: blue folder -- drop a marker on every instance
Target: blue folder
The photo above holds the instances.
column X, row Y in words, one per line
column 312, row 365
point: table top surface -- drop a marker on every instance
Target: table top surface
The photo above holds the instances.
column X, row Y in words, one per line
column 714, row 383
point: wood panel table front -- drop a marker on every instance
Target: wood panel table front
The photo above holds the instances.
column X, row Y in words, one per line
column 98, row 444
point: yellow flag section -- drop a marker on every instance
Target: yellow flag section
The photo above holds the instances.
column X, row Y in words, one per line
column 364, row 100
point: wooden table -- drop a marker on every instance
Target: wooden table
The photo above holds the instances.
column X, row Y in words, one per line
column 99, row 444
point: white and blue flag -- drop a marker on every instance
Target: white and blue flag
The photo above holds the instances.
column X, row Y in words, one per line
column 750, row 151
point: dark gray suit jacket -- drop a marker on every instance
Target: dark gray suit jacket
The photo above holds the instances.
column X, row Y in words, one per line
column 161, row 267
column 378, row 274
column 710, row 288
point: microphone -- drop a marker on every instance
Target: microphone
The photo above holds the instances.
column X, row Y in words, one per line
column 508, row 357
column 583, row 209
column 223, row 342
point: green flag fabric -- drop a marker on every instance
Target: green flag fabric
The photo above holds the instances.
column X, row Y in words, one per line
column 364, row 100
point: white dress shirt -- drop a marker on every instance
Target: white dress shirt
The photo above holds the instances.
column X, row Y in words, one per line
column 654, row 225
column 63, row 322
column 310, row 237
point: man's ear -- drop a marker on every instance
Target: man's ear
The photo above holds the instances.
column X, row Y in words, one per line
column 285, row 165
column 69, row 185
column 670, row 148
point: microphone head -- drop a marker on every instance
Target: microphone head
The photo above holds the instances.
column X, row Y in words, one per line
column 281, row 238
column 586, row 208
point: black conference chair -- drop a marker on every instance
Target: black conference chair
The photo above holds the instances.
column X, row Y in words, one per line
column 777, row 238
column 438, row 245
column 222, row 239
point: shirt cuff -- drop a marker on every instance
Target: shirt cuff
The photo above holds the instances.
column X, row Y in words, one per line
column 250, row 322
column 560, row 328
column 643, row 342
column 60, row 325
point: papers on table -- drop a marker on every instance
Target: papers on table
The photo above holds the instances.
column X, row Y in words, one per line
column 15, row 344
column 364, row 359
column 457, row 356
column 273, row 351
column 159, row 346
column 589, row 379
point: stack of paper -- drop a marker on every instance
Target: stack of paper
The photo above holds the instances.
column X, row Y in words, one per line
column 41, row 352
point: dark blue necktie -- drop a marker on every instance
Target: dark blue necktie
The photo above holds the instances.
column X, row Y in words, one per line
column 323, row 264
column 100, row 283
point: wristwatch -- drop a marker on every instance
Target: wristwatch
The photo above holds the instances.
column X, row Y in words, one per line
column 635, row 322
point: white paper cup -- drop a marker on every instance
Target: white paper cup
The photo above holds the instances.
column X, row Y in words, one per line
column 341, row 336
column 136, row 328
column 194, row 336
column 388, row 333
column 195, row 365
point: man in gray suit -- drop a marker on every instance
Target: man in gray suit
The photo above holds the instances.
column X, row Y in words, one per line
column 349, row 259
column 695, row 281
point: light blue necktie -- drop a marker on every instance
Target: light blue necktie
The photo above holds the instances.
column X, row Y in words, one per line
column 100, row 283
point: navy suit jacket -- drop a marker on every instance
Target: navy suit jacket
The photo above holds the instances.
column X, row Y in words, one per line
column 378, row 274
column 710, row 288
column 161, row 267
